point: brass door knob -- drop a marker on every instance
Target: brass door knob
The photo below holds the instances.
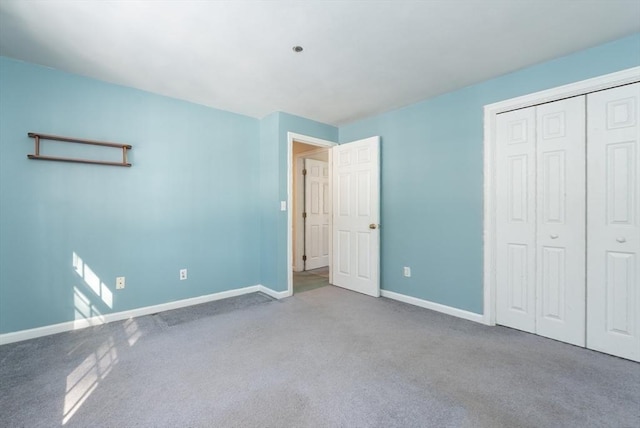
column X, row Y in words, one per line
column 373, row 226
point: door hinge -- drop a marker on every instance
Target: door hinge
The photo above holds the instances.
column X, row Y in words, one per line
column 304, row 172
column 304, row 215
column 304, row 258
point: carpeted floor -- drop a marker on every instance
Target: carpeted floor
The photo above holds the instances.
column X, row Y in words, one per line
column 323, row 358
column 192, row 313
column 310, row 279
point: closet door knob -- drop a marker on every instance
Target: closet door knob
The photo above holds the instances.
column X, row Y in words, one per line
column 621, row 239
column 553, row 236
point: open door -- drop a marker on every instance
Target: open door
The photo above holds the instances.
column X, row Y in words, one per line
column 356, row 216
column 316, row 212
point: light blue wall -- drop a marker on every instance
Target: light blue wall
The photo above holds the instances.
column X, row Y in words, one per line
column 205, row 188
column 269, row 199
column 273, row 188
column 432, row 175
column 191, row 199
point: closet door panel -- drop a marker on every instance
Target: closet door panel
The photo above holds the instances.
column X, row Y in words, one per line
column 515, row 219
column 613, row 212
column 560, row 220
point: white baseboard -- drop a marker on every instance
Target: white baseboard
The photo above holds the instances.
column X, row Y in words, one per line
column 273, row 293
column 147, row 310
column 460, row 313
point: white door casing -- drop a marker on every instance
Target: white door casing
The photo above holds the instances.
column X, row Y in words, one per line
column 317, row 214
column 560, row 220
column 613, row 252
column 515, row 219
column 356, row 216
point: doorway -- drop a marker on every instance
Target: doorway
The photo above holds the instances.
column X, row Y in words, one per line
column 354, row 224
column 310, row 213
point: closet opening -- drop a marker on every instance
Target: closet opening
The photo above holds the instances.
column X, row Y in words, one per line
column 562, row 213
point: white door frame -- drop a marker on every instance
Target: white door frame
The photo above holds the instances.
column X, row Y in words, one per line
column 291, row 137
column 583, row 87
column 298, row 195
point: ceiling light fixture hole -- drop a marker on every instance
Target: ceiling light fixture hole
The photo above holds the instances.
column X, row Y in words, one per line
column 297, row 49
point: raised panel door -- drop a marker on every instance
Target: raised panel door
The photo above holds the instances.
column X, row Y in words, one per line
column 317, row 220
column 356, row 214
column 613, row 219
column 560, row 220
column 515, row 220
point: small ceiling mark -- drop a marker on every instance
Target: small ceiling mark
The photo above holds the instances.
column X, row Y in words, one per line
column 298, row 49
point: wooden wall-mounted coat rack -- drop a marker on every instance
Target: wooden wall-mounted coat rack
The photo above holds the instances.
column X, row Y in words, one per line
column 37, row 155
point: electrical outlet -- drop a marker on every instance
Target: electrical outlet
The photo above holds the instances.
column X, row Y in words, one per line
column 120, row 283
column 183, row 274
column 406, row 271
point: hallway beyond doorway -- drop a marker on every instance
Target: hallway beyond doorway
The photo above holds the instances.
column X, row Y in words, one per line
column 310, row 279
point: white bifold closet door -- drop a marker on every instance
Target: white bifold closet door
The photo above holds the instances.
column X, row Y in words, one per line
column 516, row 220
column 540, row 220
column 560, row 217
column 613, row 251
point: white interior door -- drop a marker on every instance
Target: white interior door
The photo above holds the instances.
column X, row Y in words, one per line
column 560, row 220
column 356, row 215
column 613, row 253
column 317, row 214
column 515, row 219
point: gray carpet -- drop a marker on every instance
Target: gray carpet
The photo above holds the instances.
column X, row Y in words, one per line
column 191, row 313
column 324, row 358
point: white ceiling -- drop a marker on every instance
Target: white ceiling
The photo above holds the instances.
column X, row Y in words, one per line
column 359, row 58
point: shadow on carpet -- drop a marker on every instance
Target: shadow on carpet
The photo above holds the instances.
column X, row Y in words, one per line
column 218, row 307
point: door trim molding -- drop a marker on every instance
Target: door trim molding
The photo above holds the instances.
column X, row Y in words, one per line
column 583, row 87
column 291, row 137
